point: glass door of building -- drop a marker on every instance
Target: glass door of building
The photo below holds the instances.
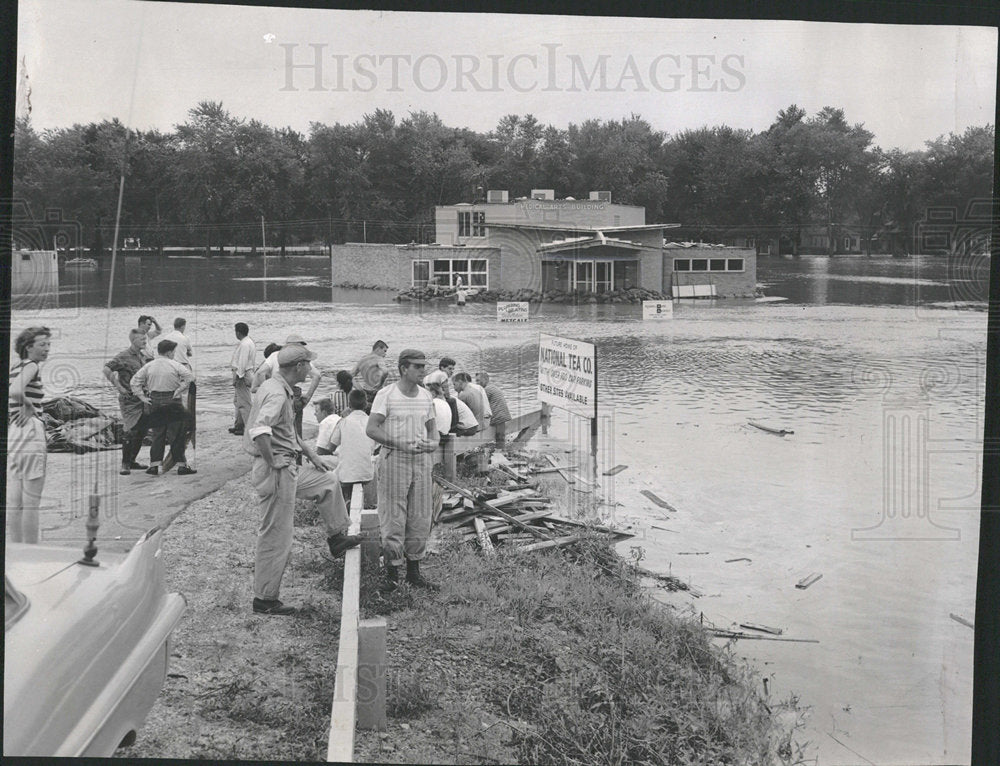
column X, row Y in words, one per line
column 604, row 271
column 583, row 277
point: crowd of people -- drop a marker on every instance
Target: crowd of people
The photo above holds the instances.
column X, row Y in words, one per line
column 381, row 429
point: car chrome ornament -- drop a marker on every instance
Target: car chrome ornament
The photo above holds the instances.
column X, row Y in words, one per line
column 93, row 524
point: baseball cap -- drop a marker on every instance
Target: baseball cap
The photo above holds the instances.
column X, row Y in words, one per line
column 411, row 355
column 293, row 354
column 295, row 338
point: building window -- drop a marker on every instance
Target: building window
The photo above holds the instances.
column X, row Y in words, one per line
column 474, row 272
column 589, row 276
column 421, row 273
column 472, row 223
column 750, row 242
column 709, row 264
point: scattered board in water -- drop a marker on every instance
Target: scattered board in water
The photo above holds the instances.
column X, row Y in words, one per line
column 770, row 430
column 762, row 628
column 807, row 581
column 659, row 501
column 962, row 621
column 616, row 470
column 742, row 558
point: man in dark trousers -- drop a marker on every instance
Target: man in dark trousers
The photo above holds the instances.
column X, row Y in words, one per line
column 119, row 371
column 160, row 384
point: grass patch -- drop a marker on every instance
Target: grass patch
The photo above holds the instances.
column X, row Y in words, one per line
column 577, row 665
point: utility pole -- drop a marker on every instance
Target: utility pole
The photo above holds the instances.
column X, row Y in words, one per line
column 263, row 244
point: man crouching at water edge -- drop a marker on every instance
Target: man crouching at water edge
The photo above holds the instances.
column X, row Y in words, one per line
column 403, row 421
column 270, row 437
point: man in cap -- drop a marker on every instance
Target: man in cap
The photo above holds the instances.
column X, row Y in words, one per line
column 270, row 366
column 270, row 437
column 403, row 421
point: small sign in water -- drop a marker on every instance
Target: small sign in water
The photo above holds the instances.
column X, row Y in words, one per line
column 657, row 310
column 512, row 311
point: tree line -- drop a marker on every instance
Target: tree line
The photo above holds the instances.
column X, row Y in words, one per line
column 210, row 181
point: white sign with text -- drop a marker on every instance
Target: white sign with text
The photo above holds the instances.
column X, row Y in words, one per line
column 512, row 311
column 657, row 310
column 567, row 374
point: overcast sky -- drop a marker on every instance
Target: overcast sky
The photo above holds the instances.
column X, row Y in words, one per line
column 148, row 63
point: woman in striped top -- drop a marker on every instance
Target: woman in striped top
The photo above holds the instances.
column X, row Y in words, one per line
column 26, row 436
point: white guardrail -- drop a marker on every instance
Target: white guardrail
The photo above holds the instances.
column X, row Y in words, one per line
column 360, row 688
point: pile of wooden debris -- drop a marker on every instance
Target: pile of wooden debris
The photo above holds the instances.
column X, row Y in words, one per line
column 511, row 509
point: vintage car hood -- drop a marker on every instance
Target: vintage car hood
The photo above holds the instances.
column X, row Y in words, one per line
column 68, row 644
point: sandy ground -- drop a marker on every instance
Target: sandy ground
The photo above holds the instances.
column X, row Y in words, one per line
column 130, row 505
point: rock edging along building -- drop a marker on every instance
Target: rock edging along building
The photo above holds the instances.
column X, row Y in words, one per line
column 546, row 244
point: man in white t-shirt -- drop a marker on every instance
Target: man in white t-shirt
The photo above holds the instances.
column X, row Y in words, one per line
column 328, row 421
column 355, row 447
column 403, row 421
column 184, row 350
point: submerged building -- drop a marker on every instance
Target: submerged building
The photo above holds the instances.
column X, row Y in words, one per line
column 546, row 244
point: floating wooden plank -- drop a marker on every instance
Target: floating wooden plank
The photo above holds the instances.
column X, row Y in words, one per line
column 692, row 553
column 557, row 543
column 962, row 620
column 664, row 529
column 616, row 470
column 658, row 500
column 484, row 539
column 770, row 430
column 719, row 633
column 805, row 582
column 465, row 493
column 741, row 558
column 762, row 628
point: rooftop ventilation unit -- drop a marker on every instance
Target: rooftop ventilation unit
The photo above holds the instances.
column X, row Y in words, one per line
column 543, row 194
column 601, row 196
column 496, row 195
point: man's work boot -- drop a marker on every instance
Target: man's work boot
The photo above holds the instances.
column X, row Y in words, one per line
column 414, row 578
column 391, row 581
column 341, row 543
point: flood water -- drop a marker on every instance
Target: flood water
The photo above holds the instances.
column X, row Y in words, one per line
column 876, row 364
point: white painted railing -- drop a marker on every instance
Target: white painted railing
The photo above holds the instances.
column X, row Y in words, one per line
column 359, row 691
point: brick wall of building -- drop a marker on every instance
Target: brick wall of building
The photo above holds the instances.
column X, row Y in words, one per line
column 390, row 266
column 728, row 284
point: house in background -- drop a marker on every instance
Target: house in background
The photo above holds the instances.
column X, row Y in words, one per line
column 545, row 244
